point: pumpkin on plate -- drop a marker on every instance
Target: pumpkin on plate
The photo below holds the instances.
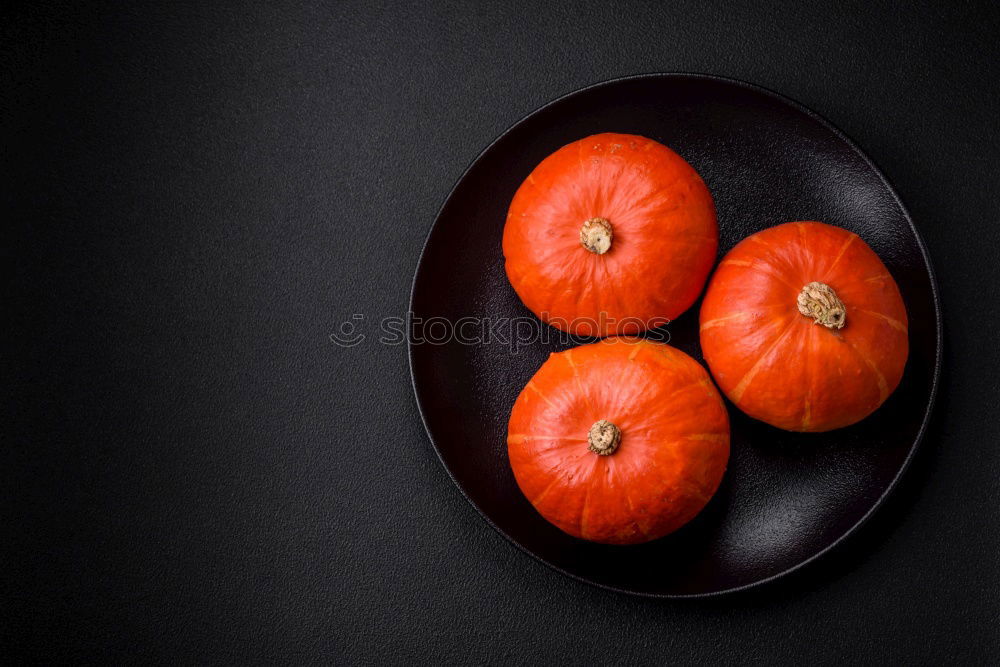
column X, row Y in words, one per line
column 620, row 441
column 803, row 327
column 610, row 234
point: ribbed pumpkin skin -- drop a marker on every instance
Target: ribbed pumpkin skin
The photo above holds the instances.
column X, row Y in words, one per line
column 673, row 452
column 774, row 363
column 664, row 236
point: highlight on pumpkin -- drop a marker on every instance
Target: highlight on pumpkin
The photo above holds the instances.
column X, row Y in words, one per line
column 613, row 224
column 619, row 443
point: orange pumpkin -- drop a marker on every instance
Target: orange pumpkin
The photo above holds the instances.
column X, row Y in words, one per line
column 614, row 233
column 620, row 441
column 803, row 327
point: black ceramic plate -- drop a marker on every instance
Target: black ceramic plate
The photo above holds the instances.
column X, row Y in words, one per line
column 786, row 497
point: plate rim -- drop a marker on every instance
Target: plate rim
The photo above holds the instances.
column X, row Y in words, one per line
column 938, row 332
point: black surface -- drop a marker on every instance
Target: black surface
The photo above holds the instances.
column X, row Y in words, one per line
column 196, row 196
column 787, row 497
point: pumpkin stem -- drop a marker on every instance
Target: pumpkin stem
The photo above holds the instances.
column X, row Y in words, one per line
column 604, row 437
column 595, row 235
column 820, row 302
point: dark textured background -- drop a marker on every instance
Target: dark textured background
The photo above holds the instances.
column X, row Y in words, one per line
column 194, row 198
